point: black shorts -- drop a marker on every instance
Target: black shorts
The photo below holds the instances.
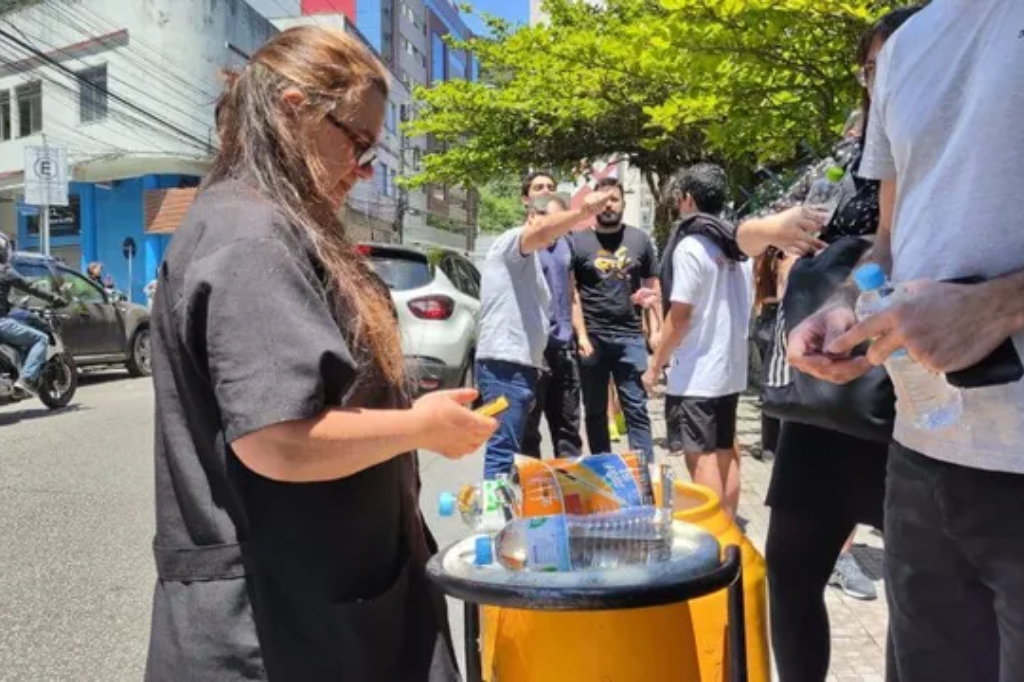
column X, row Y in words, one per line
column 701, row 425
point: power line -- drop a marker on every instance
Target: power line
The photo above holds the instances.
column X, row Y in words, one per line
column 102, row 24
column 111, row 77
column 203, row 144
column 29, row 80
column 130, row 123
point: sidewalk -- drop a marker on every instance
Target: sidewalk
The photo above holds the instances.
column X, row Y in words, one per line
column 858, row 628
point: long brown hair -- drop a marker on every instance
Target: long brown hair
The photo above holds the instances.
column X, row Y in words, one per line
column 272, row 149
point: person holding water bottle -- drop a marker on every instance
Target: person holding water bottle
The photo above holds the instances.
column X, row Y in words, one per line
column 290, row 543
column 824, row 482
column 945, row 140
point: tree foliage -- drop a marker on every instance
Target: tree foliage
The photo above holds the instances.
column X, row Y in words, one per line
column 501, row 205
column 661, row 82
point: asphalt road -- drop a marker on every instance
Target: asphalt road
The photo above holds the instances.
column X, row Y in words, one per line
column 76, row 523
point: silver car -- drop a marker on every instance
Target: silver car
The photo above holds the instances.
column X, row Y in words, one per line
column 437, row 295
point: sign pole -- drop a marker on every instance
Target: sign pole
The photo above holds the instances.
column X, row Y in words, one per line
column 44, row 215
column 130, row 250
column 44, row 229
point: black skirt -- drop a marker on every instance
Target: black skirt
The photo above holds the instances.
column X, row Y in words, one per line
column 824, row 472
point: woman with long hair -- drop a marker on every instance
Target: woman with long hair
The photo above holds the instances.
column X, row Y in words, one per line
column 824, row 482
column 289, row 543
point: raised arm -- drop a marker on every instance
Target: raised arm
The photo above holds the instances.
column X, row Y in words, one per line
column 542, row 231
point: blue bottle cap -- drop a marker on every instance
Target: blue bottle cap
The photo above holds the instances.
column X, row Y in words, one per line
column 869, row 277
column 484, row 551
column 446, row 504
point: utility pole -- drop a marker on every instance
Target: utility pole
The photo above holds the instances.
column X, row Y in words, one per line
column 403, row 195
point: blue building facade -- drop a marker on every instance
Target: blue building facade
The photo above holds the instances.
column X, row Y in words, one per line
column 101, row 216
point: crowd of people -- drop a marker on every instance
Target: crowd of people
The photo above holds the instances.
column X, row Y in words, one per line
column 288, row 522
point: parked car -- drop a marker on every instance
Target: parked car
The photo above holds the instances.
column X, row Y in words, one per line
column 99, row 328
column 437, row 295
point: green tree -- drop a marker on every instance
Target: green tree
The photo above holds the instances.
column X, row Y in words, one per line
column 663, row 83
column 501, row 205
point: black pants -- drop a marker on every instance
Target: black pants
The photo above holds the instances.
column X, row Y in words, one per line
column 823, row 484
column 770, row 427
column 558, row 400
column 801, row 552
column 954, row 570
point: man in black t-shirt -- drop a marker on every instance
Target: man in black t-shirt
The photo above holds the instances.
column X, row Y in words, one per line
column 615, row 265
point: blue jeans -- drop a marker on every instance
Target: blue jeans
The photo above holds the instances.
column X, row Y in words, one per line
column 518, row 384
column 624, row 359
column 31, row 342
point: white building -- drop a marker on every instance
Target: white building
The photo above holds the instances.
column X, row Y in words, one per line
column 128, row 89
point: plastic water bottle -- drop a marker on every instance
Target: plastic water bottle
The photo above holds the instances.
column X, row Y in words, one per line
column 825, row 193
column 933, row 403
column 627, row 537
column 484, row 507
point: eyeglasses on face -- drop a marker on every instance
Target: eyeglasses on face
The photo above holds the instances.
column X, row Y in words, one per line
column 541, row 186
column 365, row 152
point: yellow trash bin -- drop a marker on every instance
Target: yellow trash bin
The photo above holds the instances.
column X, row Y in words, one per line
column 676, row 643
column 700, row 506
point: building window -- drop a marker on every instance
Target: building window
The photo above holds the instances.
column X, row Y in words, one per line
column 380, row 179
column 5, row 116
column 412, row 17
column 92, row 94
column 437, row 58
column 391, row 118
column 456, row 64
column 30, row 108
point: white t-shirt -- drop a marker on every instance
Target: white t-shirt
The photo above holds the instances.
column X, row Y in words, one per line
column 948, row 123
column 711, row 362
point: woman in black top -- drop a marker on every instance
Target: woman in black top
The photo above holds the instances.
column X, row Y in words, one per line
column 824, row 482
column 289, row 543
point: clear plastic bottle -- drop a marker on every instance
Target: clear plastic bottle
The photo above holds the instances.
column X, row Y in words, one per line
column 825, row 193
column 483, row 506
column 627, row 537
column 934, row 404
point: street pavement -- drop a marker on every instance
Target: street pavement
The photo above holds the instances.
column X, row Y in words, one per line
column 76, row 522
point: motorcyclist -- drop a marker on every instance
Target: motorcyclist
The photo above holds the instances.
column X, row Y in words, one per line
column 31, row 341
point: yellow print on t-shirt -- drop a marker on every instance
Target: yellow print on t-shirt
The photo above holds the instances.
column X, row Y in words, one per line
column 613, row 264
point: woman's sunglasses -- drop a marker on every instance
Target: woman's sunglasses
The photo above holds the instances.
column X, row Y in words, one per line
column 365, row 152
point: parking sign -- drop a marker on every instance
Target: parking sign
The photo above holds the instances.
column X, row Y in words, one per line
column 46, row 176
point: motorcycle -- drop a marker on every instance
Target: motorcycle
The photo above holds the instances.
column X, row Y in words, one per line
column 59, row 379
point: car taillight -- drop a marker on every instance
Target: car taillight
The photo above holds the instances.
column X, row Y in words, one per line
column 432, row 307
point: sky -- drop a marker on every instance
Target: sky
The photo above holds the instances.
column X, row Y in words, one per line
column 513, row 10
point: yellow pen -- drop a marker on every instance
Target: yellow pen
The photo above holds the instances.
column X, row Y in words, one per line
column 493, row 408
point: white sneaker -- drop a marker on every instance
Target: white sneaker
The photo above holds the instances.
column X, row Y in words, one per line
column 26, row 387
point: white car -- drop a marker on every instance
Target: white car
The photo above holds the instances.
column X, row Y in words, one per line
column 437, row 294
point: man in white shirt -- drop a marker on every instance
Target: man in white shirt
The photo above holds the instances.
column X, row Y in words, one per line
column 709, row 284
column 946, row 140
